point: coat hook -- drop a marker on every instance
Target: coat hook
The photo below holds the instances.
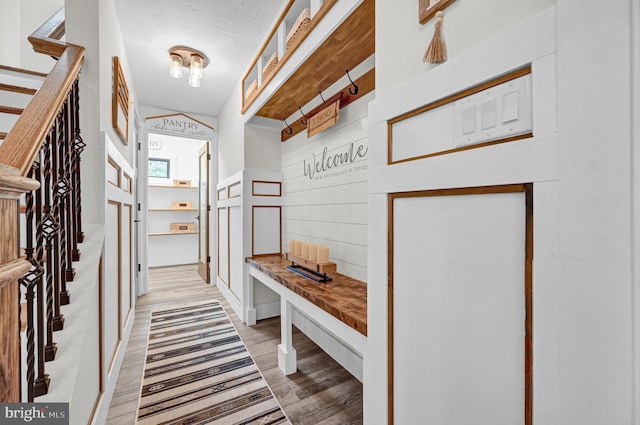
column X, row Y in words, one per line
column 289, row 130
column 355, row 89
column 303, row 121
column 320, row 93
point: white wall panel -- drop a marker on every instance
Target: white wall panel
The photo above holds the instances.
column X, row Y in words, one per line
column 112, row 267
column 127, row 263
column 236, row 257
column 266, row 230
column 223, row 241
column 459, row 297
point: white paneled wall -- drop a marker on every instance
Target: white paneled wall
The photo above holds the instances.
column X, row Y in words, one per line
column 325, row 189
column 249, row 223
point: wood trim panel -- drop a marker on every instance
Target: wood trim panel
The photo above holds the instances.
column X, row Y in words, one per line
column 221, row 192
column 528, row 284
column 115, row 165
column 120, row 99
column 230, row 187
column 253, row 188
column 225, row 281
column 253, row 226
column 450, row 99
column 128, row 178
column 130, row 218
column 119, row 307
column 425, row 13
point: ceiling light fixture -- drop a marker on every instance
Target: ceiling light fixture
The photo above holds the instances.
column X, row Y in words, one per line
column 181, row 56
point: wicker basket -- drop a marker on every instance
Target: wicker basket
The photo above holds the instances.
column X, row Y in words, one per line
column 183, row 227
column 299, row 29
column 270, row 67
column 177, row 182
column 251, row 89
column 182, row 205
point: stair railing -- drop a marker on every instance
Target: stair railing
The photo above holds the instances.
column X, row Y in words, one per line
column 40, row 159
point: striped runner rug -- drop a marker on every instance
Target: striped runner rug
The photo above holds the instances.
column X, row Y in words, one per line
column 198, row 371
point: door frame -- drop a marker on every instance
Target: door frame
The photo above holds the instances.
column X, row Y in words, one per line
column 154, row 125
column 204, row 270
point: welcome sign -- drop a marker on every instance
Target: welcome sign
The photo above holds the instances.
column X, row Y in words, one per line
column 180, row 125
column 337, row 162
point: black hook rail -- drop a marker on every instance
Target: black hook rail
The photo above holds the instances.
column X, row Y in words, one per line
column 289, row 130
column 355, row 89
column 303, row 121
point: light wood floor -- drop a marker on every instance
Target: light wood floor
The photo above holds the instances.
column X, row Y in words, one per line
column 320, row 393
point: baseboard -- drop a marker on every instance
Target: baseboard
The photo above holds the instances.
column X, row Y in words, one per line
column 231, row 298
column 337, row 349
column 100, row 417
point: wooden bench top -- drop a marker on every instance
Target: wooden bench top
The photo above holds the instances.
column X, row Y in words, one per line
column 343, row 297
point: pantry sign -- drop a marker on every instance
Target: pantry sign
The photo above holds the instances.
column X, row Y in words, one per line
column 180, row 125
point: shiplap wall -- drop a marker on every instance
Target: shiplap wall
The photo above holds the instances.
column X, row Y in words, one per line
column 331, row 207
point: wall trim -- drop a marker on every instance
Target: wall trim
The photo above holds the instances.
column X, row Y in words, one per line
column 528, row 284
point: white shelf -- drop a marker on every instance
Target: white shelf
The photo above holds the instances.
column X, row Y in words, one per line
column 172, row 187
column 173, row 210
column 173, row 234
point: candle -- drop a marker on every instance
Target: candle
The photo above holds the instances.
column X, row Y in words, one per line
column 305, row 250
column 298, row 250
column 323, row 254
column 313, row 252
column 292, row 246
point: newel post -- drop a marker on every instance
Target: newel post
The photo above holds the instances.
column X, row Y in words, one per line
column 12, row 185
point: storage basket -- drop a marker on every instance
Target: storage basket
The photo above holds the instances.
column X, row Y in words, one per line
column 182, row 205
column 177, row 182
column 251, row 89
column 183, row 227
column 270, row 67
column 299, row 29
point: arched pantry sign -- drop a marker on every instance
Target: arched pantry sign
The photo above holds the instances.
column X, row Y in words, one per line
column 180, row 125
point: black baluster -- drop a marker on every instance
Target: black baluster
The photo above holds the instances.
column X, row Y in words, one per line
column 78, row 147
column 70, row 272
column 29, row 282
column 49, row 230
column 41, row 385
column 59, row 192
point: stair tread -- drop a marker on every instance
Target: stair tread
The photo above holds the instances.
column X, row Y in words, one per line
column 17, row 89
column 11, row 110
column 22, row 71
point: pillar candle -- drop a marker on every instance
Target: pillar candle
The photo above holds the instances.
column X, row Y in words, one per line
column 313, row 252
column 305, row 250
column 298, row 250
column 323, row 254
column 292, row 246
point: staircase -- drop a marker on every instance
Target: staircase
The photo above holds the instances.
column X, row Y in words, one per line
column 40, row 226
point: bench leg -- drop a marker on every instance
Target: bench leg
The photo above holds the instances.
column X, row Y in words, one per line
column 286, row 353
column 249, row 310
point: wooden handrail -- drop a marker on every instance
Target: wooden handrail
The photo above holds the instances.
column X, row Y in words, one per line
column 25, row 139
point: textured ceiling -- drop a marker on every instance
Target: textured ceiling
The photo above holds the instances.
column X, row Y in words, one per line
column 229, row 32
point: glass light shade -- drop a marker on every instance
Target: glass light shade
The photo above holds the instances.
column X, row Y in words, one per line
column 194, row 80
column 175, row 66
column 197, row 66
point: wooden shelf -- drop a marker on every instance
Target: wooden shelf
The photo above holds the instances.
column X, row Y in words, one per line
column 172, row 187
column 349, row 45
column 173, row 210
column 173, row 234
